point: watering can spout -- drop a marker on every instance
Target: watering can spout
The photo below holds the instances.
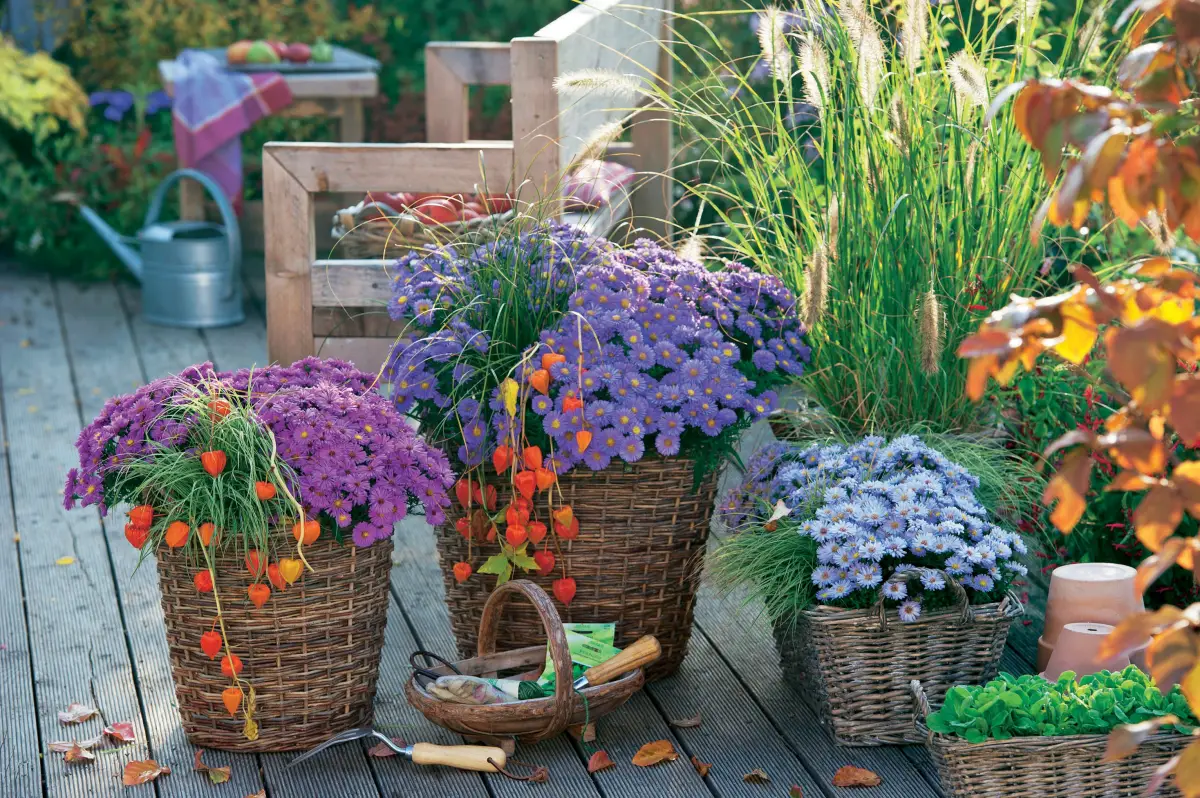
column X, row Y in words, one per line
column 117, row 243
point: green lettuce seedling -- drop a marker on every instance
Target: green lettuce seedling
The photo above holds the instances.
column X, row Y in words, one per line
column 1030, row 706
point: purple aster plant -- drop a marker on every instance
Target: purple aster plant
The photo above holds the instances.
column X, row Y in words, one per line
column 647, row 352
column 350, row 459
column 856, row 520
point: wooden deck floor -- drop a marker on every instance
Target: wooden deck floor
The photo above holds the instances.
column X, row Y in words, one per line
column 92, row 631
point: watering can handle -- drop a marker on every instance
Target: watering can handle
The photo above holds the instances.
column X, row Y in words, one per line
column 228, row 217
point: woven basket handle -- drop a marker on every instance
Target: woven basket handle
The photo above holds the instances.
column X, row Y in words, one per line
column 560, row 651
column 961, row 600
column 920, row 701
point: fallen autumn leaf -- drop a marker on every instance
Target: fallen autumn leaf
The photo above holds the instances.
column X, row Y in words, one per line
column 77, row 753
column 218, row 775
column 701, row 767
column 383, row 750
column 686, row 723
column 852, row 776
column 795, row 792
column 756, row 776
column 121, row 732
column 655, row 752
column 599, row 761
column 77, row 713
column 62, row 746
column 141, row 771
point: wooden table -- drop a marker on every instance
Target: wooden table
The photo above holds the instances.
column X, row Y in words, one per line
column 338, row 93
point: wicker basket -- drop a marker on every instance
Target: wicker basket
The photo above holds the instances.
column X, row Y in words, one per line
column 1045, row 767
column 534, row 719
column 856, row 666
column 401, row 233
column 637, row 559
column 311, row 653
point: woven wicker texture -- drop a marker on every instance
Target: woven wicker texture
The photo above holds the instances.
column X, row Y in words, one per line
column 1045, row 767
column 858, row 670
column 531, row 720
column 311, row 653
column 637, row 560
column 400, row 234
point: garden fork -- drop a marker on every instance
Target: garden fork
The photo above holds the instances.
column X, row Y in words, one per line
column 464, row 757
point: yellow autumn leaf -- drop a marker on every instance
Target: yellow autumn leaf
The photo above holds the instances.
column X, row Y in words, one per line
column 1187, row 772
column 64, row 561
column 508, row 392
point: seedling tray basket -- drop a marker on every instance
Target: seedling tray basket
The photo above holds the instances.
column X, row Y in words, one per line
column 1046, row 767
column 534, row 719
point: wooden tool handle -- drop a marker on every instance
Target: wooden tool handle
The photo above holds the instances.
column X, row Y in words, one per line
column 463, row 757
column 641, row 652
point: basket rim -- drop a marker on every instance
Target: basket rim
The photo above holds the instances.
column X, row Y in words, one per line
column 825, row 613
column 1041, row 742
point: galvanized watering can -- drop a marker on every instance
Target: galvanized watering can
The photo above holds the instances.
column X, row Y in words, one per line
column 190, row 271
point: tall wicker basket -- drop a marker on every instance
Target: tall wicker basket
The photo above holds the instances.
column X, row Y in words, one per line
column 311, row 653
column 637, row 560
column 857, row 666
column 1045, row 767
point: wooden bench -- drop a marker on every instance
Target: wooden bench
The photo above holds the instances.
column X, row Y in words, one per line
column 335, row 308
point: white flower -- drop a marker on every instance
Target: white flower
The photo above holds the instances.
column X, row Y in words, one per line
column 896, row 590
column 910, row 611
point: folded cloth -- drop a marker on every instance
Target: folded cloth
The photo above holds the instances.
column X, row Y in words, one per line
column 593, row 184
column 213, row 107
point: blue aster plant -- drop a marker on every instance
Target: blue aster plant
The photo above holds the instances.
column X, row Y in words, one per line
column 834, row 524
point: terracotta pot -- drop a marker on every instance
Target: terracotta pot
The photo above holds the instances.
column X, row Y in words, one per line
column 1087, row 592
column 1077, row 649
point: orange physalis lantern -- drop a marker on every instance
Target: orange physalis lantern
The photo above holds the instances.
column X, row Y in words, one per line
column 213, row 462
column 232, row 698
column 526, row 482
column 462, row 571
column 264, row 491
column 231, row 665
column 583, row 438
column 177, row 534
column 258, row 594
column 206, row 531
column 136, row 535
column 532, row 457
column 502, row 459
column 537, row 531
column 142, row 515
column 564, row 589
column 210, row 644
column 307, row 532
column 203, row 581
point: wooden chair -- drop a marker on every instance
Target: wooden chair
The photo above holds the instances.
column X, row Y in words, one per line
column 334, row 307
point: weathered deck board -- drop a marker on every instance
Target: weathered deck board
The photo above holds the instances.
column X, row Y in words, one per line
column 97, row 337
column 79, row 645
column 417, row 581
column 20, row 760
column 744, row 638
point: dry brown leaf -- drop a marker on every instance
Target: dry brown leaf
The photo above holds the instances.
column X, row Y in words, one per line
column 655, row 752
column 1124, row 740
column 259, row 794
column 62, row 746
column 141, row 771
column 756, row 776
column 687, row 723
column 77, row 753
column 77, row 713
column 383, row 750
column 599, row 761
column 853, row 776
column 215, row 775
column 701, row 767
column 121, row 732
column 795, row 792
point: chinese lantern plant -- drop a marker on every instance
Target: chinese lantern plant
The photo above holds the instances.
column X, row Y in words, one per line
column 1135, row 149
column 242, row 482
column 550, row 355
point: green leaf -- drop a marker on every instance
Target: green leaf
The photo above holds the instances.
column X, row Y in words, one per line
column 499, row 565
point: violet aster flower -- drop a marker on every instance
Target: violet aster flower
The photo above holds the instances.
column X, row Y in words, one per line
column 354, row 462
column 628, row 338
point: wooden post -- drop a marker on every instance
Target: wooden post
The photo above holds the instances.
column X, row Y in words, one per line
column 446, row 109
column 536, row 162
column 651, row 134
column 352, row 122
column 290, row 249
